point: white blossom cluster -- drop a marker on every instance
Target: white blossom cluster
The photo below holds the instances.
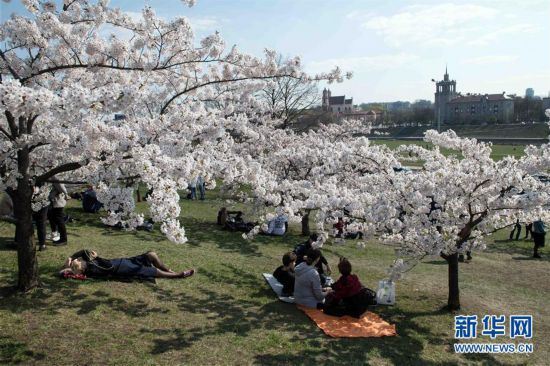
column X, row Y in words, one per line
column 68, row 67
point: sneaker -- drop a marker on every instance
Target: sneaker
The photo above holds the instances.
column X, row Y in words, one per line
column 53, row 236
column 59, row 243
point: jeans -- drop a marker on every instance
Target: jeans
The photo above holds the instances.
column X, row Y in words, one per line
column 57, row 222
column 39, row 218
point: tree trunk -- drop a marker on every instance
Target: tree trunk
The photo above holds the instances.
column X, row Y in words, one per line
column 138, row 194
column 453, row 302
column 22, row 209
column 305, row 223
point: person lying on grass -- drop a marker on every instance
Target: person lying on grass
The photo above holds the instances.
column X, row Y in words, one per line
column 145, row 266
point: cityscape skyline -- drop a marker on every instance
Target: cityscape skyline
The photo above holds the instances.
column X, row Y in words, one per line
column 393, row 49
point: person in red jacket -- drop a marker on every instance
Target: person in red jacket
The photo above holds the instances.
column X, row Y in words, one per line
column 348, row 296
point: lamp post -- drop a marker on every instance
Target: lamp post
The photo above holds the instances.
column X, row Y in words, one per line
column 438, row 102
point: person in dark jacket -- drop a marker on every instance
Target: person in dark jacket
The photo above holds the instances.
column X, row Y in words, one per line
column 516, row 230
column 285, row 273
column 539, row 236
column 145, row 266
column 301, row 251
column 347, row 296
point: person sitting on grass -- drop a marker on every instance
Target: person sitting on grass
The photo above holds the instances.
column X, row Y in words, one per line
column 348, row 297
column 303, row 248
column 285, row 273
column 307, row 287
column 144, row 266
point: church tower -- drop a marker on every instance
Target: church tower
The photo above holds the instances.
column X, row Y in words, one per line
column 445, row 91
column 326, row 100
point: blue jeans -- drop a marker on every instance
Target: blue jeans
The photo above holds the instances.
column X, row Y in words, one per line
column 201, row 191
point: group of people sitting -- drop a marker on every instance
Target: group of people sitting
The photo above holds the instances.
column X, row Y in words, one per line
column 303, row 276
column 233, row 221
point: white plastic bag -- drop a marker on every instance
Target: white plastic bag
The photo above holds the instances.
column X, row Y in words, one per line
column 386, row 293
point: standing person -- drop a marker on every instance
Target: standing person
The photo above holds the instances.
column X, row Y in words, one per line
column 193, row 188
column 57, row 197
column 301, row 252
column 39, row 217
column 201, row 187
column 517, row 227
column 528, row 230
column 539, row 236
column 307, row 287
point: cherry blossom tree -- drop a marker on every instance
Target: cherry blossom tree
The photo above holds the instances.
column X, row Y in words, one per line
column 448, row 206
column 64, row 72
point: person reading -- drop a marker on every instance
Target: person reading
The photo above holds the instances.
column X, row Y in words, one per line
column 285, row 273
column 145, row 266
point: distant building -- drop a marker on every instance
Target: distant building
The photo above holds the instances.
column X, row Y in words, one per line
column 529, row 93
column 337, row 104
column 545, row 103
column 452, row 107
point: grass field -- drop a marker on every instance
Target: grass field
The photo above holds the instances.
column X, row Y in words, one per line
column 499, row 151
column 227, row 315
column 512, row 130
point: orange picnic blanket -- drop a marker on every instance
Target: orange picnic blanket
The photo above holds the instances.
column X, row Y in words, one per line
column 369, row 325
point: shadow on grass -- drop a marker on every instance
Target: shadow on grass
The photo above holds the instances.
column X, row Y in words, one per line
column 234, row 317
column 518, row 249
column 14, row 352
column 85, row 219
column 7, row 244
column 225, row 240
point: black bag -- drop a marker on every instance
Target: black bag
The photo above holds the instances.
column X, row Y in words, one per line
column 367, row 296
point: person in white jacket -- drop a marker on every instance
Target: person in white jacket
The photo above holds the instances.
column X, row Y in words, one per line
column 56, row 214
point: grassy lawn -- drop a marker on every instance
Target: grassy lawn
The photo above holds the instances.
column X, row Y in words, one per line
column 227, row 315
column 499, row 151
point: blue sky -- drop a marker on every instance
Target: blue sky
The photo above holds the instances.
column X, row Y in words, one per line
column 394, row 48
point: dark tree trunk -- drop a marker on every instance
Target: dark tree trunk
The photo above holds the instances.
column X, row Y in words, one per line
column 138, row 194
column 22, row 209
column 453, row 302
column 305, row 223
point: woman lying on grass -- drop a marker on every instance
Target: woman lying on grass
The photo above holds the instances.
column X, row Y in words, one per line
column 144, row 266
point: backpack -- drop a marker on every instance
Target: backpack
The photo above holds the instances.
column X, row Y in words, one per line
column 538, row 227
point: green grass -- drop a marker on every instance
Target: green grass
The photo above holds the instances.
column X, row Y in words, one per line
column 499, row 151
column 227, row 315
column 512, row 130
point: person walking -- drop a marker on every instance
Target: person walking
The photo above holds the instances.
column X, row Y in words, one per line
column 517, row 227
column 539, row 236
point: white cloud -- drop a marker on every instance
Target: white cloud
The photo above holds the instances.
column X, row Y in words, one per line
column 492, row 36
column 491, row 59
column 368, row 63
column 442, row 24
column 205, row 24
